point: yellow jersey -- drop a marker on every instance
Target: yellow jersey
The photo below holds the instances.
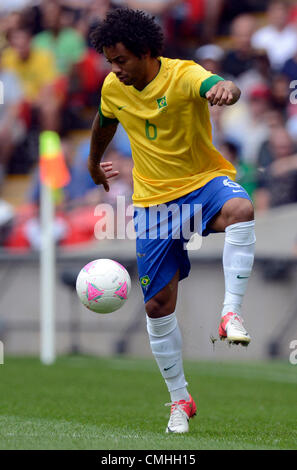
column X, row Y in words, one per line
column 169, row 128
column 34, row 73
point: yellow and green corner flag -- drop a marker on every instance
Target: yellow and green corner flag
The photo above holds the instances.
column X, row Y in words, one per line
column 53, row 169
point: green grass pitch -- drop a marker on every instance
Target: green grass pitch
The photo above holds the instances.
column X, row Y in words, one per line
column 118, row 403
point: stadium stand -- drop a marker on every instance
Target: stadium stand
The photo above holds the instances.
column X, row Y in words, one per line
column 50, row 40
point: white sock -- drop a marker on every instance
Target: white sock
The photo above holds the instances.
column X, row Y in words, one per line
column 166, row 344
column 238, row 259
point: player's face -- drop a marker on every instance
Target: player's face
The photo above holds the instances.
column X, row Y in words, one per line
column 130, row 69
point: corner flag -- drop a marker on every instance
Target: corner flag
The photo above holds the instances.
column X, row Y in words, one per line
column 53, row 170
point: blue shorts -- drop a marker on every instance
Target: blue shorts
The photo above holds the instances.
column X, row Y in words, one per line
column 162, row 231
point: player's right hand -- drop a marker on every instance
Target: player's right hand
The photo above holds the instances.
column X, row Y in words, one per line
column 102, row 173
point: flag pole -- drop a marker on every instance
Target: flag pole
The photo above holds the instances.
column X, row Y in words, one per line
column 47, row 277
column 54, row 174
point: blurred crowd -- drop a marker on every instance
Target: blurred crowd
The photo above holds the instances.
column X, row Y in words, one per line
column 52, row 78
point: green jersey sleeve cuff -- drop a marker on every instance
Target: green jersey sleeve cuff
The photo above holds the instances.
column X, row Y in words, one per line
column 104, row 121
column 208, row 83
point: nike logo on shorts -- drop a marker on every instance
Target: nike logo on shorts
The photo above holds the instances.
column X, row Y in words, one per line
column 167, row 368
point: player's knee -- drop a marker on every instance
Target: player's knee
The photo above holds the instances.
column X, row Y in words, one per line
column 242, row 212
column 159, row 306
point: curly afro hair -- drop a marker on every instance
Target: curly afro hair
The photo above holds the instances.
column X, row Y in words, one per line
column 134, row 28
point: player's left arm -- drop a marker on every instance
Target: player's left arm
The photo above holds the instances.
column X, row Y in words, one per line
column 223, row 92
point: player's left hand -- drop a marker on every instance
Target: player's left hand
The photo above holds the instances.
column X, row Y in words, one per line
column 223, row 92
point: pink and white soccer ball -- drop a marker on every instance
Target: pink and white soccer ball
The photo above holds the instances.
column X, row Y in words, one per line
column 103, row 285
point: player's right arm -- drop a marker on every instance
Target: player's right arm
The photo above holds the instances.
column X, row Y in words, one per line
column 223, row 92
column 101, row 136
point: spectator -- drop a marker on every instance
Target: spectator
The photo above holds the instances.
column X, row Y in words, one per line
column 155, row 7
column 37, row 72
column 242, row 56
column 293, row 13
column 11, row 128
column 245, row 123
column 212, row 11
column 82, row 68
column 259, row 74
column 175, row 18
column 280, row 91
column 291, row 127
column 194, row 18
column 246, row 172
column 83, row 89
column 274, row 118
column 66, row 44
column 93, row 13
column 8, row 6
column 290, row 68
column 273, row 149
column 96, row 11
column 10, row 22
column 210, row 57
column 35, row 69
column 278, row 38
column 277, row 183
column 231, row 9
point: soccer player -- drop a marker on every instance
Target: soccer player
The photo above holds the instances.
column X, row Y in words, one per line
column 163, row 105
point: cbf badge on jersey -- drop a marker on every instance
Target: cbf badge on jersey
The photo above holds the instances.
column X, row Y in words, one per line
column 162, row 103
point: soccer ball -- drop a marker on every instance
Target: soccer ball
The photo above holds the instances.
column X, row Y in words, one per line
column 103, row 285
